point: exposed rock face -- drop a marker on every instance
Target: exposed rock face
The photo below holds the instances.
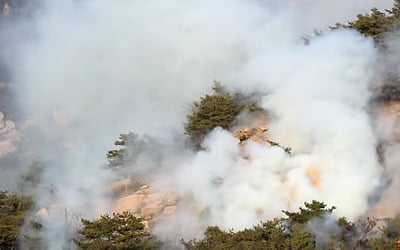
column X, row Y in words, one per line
column 141, row 201
column 125, row 187
column 137, row 197
column 48, row 212
column 8, row 136
column 258, row 134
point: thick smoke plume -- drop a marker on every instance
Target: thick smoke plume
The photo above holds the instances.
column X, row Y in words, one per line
column 99, row 68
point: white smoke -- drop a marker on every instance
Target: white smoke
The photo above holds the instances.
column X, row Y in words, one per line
column 101, row 68
column 320, row 111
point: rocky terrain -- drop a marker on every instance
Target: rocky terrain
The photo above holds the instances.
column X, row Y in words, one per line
column 136, row 195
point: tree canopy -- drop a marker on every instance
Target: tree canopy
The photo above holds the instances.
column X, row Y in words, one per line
column 311, row 210
column 13, row 209
column 376, row 24
column 216, row 110
column 283, row 233
column 294, row 232
column 121, row 231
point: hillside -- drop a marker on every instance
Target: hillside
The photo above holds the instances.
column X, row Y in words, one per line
column 199, row 125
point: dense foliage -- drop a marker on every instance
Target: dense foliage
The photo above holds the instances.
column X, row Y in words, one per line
column 283, row 233
column 119, row 231
column 124, row 231
column 219, row 109
column 377, row 23
column 296, row 232
column 268, row 235
column 315, row 209
column 13, row 209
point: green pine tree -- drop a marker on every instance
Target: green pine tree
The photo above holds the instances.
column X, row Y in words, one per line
column 119, row 231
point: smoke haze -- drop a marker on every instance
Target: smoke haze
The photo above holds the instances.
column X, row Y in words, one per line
column 96, row 69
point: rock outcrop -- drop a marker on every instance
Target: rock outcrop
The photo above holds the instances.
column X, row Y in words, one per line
column 138, row 198
column 258, row 134
column 8, row 136
column 136, row 195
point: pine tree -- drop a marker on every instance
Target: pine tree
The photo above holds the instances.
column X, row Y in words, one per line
column 13, row 210
column 216, row 110
column 119, row 231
